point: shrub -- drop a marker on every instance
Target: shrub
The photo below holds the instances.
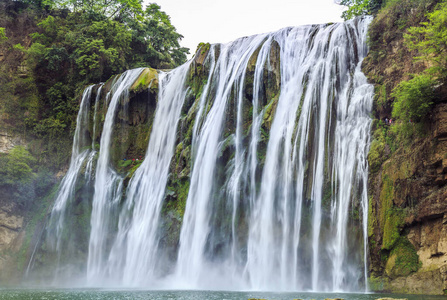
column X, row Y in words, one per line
column 16, row 165
column 413, row 98
column 3, row 36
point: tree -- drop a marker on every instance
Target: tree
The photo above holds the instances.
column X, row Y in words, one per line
column 112, row 9
column 15, row 165
column 156, row 41
column 355, row 8
column 360, row 7
column 102, row 49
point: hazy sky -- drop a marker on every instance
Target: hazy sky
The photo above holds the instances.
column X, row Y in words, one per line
column 218, row 21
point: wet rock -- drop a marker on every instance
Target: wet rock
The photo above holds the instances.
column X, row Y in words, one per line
column 147, row 80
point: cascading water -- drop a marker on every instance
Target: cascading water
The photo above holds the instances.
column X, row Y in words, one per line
column 229, row 71
column 67, row 188
column 135, row 252
column 277, row 194
column 108, row 184
column 315, row 158
column 91, row 157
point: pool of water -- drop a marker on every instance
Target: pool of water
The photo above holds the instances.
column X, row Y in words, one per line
column 99, row 294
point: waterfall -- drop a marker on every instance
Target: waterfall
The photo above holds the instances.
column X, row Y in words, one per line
column 108, row 184
column 67, row 188
column 91, row 157
column 315, row 164
column 230, row 70
column 277, row 190
column 135, row 252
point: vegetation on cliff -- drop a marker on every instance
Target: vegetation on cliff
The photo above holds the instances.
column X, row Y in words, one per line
column 407, row 64
column 49, row 51
column 52, row 49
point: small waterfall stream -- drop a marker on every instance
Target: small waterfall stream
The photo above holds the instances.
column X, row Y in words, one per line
column 135, row 253
column 67, row 188
column 277, row 195
column 108, row 184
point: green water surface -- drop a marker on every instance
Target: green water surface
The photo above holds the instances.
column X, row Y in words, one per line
column 98, row 294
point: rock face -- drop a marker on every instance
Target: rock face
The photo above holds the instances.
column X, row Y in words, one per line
column 10, row 226
column 7, row 141
column 409, row 204
column 408, row 192
column 11, row 239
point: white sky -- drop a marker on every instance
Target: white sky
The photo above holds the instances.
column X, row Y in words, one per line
column 222, row 21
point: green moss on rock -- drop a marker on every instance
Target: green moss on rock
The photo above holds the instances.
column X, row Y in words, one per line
column 148, row 79
column 403, row 259
column 269, row 113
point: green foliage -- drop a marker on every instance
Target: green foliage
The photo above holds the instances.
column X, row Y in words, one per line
column 430, row 40
column 376, row 283
column 376, row 155
column 407, row 259
column 355, row 8
column 15, row 165
column 74, row 43
column 124, row 163
column 383, row 137
column 179, row 190
column 162, row 48
column 117, row 9
column 18, row 47
column 51, row 126
column 393, row 224
column 405, row 132
column 18, row 179
column 360, row 8
column 3, row 36
column 102, row 49
column 413, row 98
column 391, row 218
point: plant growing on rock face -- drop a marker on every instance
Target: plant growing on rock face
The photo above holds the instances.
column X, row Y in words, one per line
column 413, row 98
column 430, row 40
column 15, row 165
column 3, row 36
column 18, row 179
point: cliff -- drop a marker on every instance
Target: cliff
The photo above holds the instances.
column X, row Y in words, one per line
column 408, row 175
